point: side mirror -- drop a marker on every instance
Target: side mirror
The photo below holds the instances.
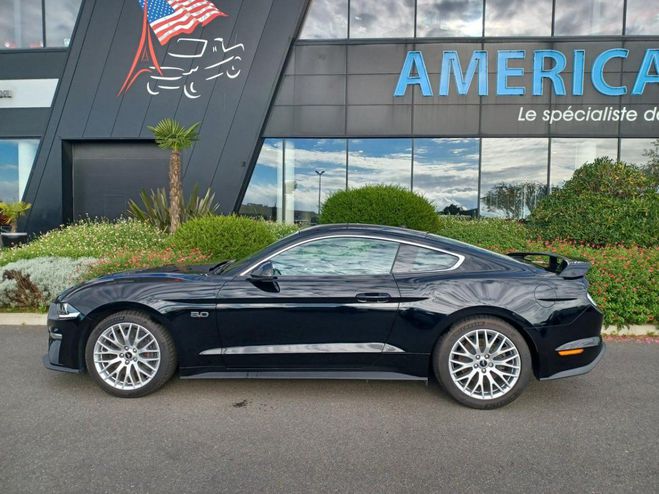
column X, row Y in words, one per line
column 264, row 272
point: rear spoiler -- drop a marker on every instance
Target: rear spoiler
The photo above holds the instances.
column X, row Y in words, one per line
column 563, row 266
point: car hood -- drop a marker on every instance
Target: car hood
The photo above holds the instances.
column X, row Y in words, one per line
column 163, row 274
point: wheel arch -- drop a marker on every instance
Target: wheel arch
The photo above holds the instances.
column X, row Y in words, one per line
column 508, row 316
column 103, row 311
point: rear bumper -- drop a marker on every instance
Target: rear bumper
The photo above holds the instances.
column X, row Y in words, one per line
column 577, row 371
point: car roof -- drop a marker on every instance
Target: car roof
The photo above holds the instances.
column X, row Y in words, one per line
column 393, row 232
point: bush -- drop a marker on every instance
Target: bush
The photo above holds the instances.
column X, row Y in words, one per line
column 489, row 233
column 89, row 239
column 604, row 203
column 226, row 237
column 36, row 282
column 131, row 260
column 381, row 205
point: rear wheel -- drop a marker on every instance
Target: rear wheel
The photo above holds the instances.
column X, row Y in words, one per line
column 129, row 355
column 483, row 362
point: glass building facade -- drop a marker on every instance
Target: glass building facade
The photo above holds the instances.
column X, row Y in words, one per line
column 313, row 97
column 346, row 63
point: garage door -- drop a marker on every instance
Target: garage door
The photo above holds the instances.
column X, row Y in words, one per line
column 107, row 174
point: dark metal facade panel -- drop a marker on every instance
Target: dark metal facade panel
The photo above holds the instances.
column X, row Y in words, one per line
column 232, row 112
column 23, row 122
column 377, row 120
column 32, row 64
column 319, row 59
column 446, row 120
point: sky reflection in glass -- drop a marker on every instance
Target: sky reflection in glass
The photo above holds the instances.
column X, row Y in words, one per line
column 438, row 18
column 518, row 18
column 379, row 161
column 446, row 172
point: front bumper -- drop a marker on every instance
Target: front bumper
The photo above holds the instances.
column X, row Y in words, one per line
column 577, row 371
column 50, row 366
column 65, row 345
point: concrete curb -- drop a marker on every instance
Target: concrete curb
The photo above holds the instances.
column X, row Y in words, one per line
column 22, row 319
column 31, row 319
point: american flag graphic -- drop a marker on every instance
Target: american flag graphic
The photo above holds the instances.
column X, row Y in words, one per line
column 169, row 18
column 166, row 18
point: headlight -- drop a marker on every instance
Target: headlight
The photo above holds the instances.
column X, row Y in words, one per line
column 592, row 301
column 63, row 311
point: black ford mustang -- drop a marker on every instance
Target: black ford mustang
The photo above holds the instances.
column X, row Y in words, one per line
column 340, row 302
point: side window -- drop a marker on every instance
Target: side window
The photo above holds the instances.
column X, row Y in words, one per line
column 341, row 256
column 412, row 259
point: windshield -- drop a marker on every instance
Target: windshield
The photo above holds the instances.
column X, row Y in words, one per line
column 235, row 266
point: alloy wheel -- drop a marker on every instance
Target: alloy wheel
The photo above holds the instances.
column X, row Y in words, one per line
column 126, row 356
column 484, row 364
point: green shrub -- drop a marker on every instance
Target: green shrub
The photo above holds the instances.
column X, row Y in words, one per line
column 489, row 233
column 604, row 203
column 226, row 237
column 36, row 282
column 381, row 205
column 155, row 207
column 89, row 239
column 144, row 259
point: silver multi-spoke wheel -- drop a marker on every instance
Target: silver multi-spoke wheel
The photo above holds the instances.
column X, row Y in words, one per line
column 126, row 356
column 484, row 364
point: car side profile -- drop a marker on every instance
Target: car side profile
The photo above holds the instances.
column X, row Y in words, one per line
column 337, row 302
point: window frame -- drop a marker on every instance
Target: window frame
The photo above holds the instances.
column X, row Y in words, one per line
column 406, row 271
column 247, row 271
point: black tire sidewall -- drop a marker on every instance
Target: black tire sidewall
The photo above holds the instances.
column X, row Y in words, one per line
column 443, row 349
column 162, row 336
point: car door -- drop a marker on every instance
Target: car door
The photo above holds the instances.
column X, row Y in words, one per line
column 322, row 303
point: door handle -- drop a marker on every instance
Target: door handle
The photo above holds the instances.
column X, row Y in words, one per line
column 373, row 297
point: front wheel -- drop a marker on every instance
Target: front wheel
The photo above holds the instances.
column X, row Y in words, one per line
column 483, row 362
column 129, row 355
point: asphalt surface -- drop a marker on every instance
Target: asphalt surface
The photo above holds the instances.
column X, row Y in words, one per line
column 60, row 433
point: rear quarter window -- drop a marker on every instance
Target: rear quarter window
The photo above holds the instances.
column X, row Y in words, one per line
column 413, row 259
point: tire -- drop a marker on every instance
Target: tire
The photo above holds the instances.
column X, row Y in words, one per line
column 479, row 378
column 126, row 373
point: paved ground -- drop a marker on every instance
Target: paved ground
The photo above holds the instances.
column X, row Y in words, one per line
column 59, row 433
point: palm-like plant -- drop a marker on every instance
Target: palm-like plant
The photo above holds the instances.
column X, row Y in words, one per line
column 171, row 135
column 13, row 211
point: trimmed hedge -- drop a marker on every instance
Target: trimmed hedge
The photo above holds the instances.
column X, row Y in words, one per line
column 227, row 237
column 489, row 233
column 380, row 205
column 604, row 203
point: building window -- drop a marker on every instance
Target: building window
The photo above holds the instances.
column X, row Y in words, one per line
column 640, row 152
column 642, row 18
column 440, row 18
column 381, row 18
column 568, row 154
column 16, row 160
column 21, row 24
column 379, row 161
column 326, row 19
column 518, row 18
column 446, row 172
column 60, row 19
column 263, row 197
column 513, row 176
column 588, row 17
column 313, row 169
